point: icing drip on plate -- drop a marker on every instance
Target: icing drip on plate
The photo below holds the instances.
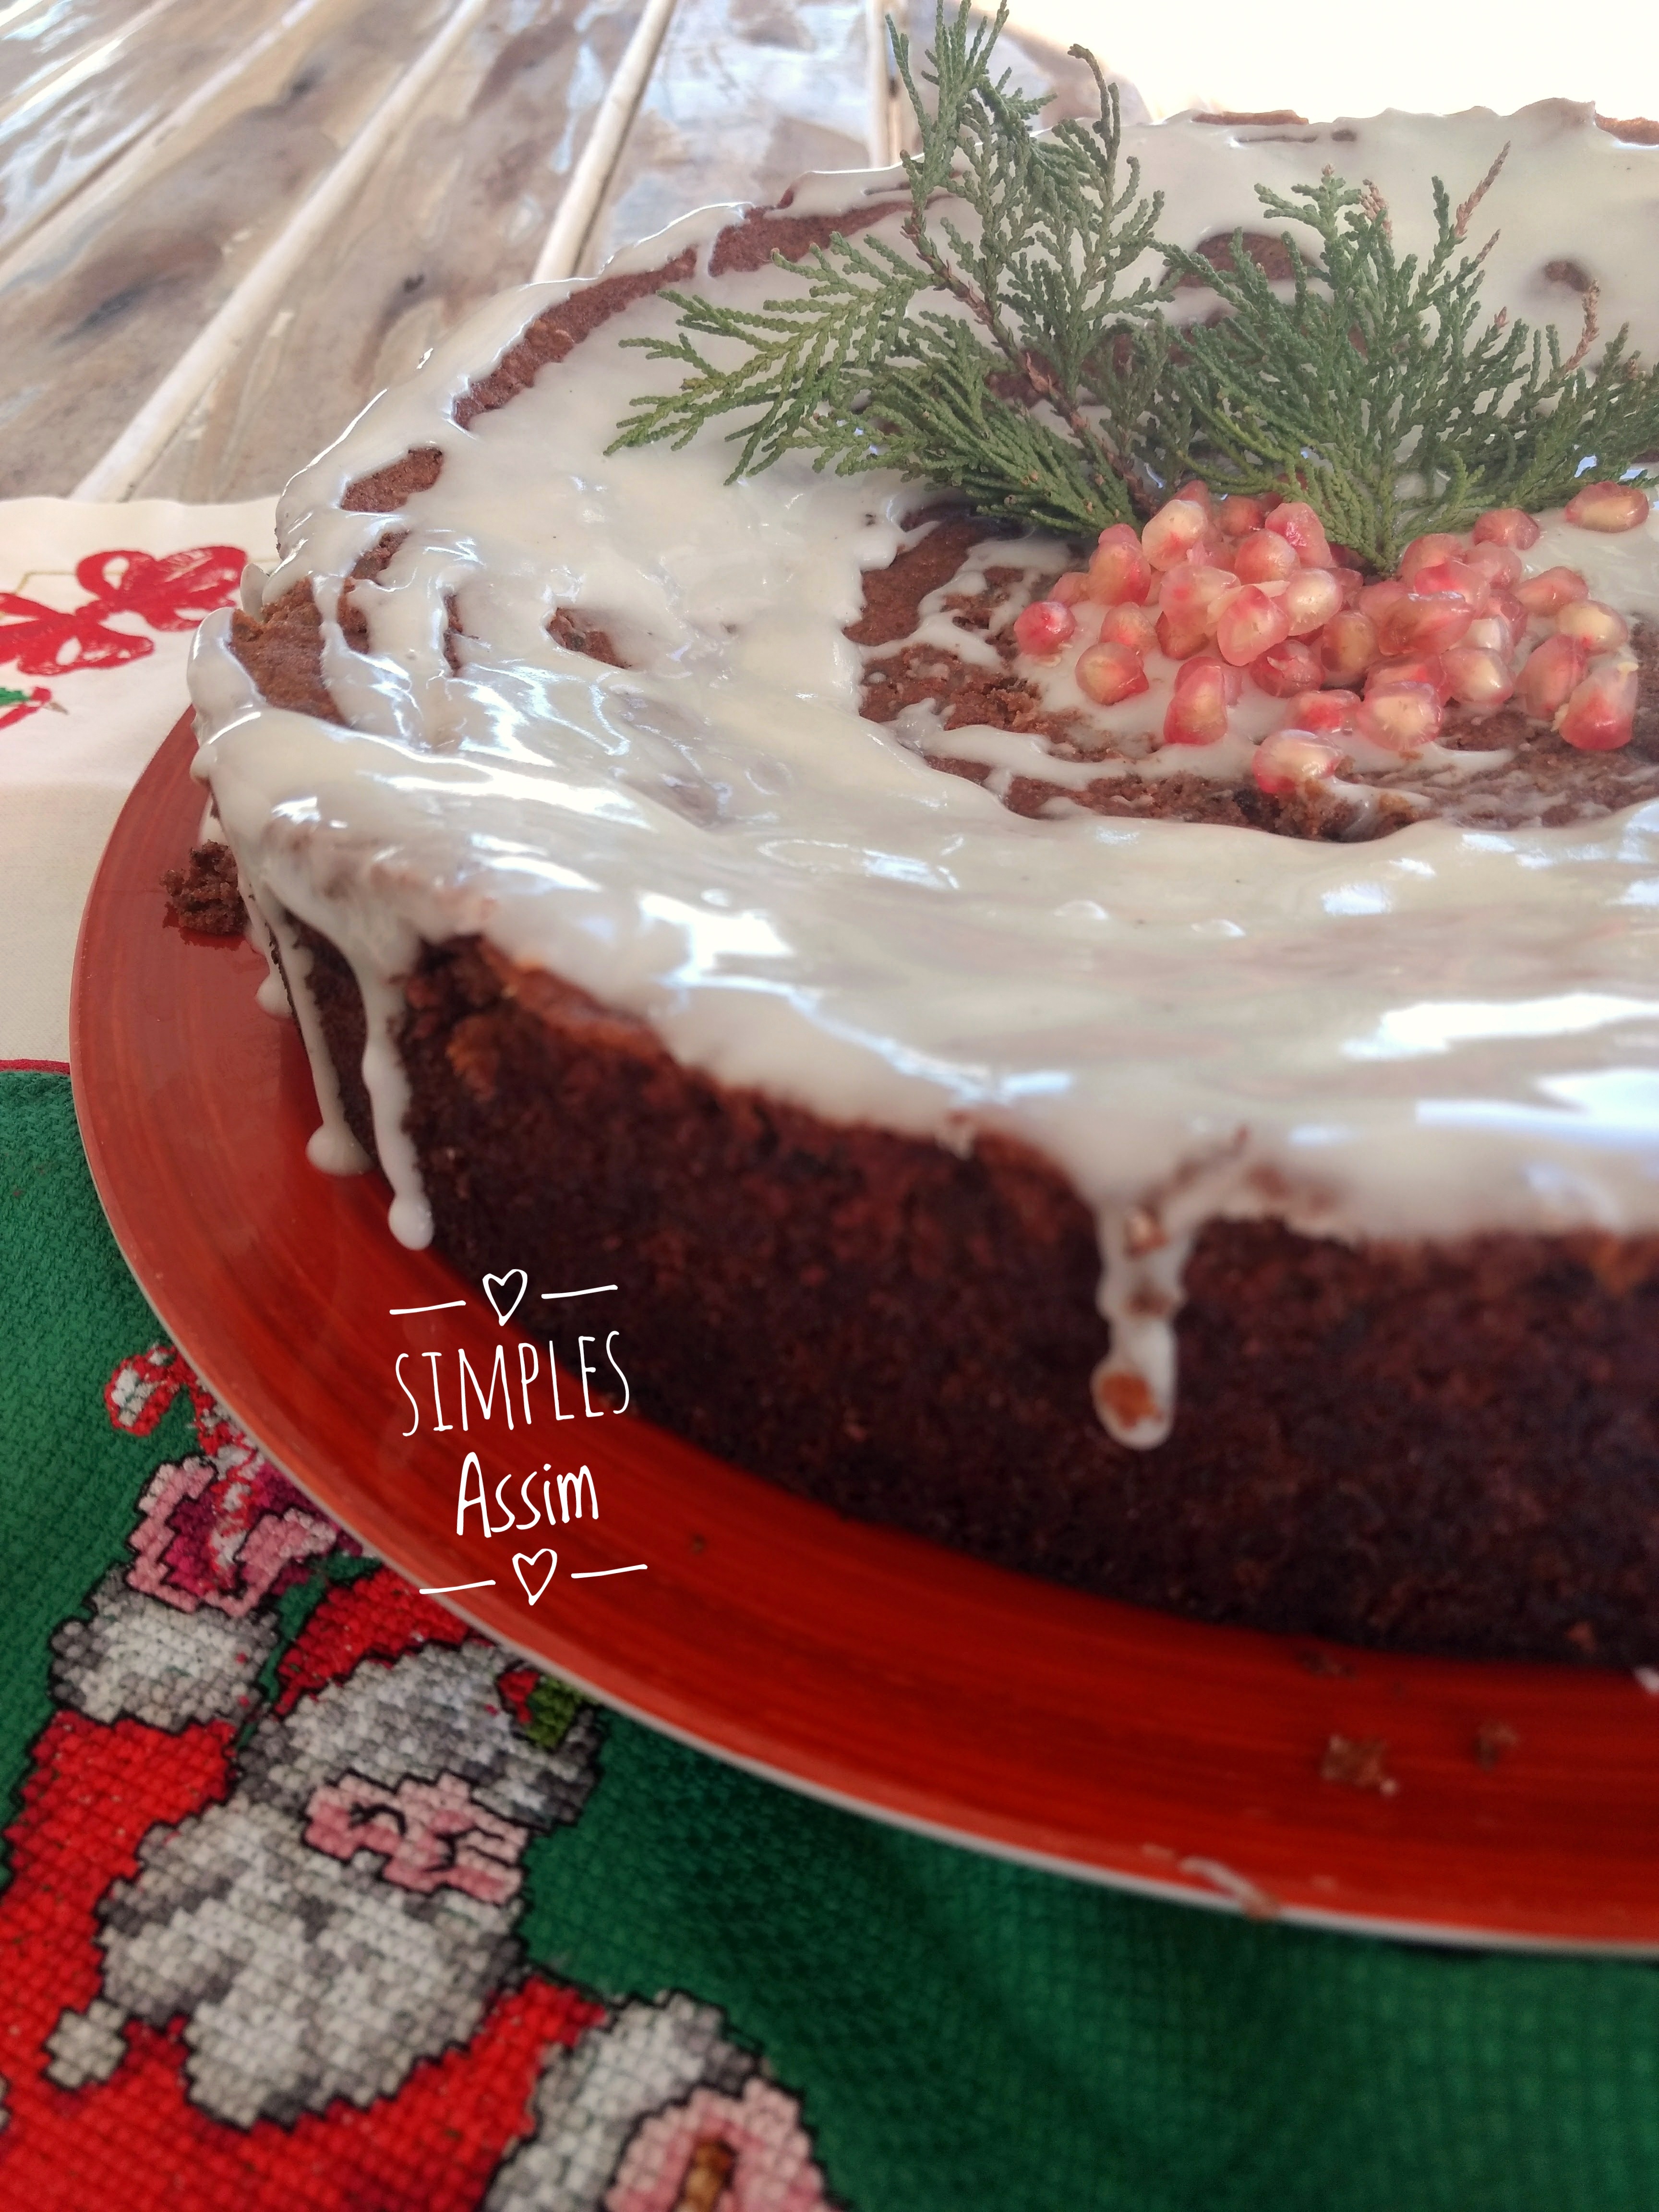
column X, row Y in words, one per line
column 1447, row 1032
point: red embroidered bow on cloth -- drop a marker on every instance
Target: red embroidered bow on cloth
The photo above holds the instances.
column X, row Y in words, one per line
column 170, row 593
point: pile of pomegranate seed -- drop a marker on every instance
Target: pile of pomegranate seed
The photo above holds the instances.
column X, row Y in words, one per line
column 1239, row 590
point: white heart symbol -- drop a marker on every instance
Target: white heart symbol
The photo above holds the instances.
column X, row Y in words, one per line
column 496, row 1287
column 523, row 1559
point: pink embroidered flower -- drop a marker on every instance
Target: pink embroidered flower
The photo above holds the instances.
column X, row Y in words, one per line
column 433, row 1835
column 223, row 1536
column 748, row 2153
column 224, row 1528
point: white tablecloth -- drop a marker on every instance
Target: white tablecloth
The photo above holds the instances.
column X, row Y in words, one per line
column 68, row 761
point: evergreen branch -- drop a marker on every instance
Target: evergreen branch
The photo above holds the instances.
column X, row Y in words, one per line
column 1005, row 352
column 1013, row 462
column 805, row 354
column 854, row 367
column 1378, row 390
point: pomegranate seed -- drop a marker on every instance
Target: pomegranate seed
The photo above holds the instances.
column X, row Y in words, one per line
column 1347, row 645
column 1551, row 590
column 1325, row 712
column 1199, row 493
column 1607, row 507
column 1436, row 545
column 1460, row 580
column 1261, row 556
column 1110, row 672
column 1239, row 515
column 1507, row 525
column 1284, row 669
column 1118, row 569
column 1043, row 628
column 1173, row 532
column 1180, row 636
column 1501, row 565
column 1312, row 597
column 1129, row 625
column 1508, row 611
column 1295, row 521
column 1553, row 670
column 1601, row 715
column 1288, row 761
column 1071, row 588
column 1428, row 668
column 1422, row 624
column 1200, row 671
column 1249, row 624
column 1193, row 587
column 1350, row 582
column 1404, row 721
column 1596, row 627
column 1477, row 675
column 1374, row 598
column 1197, row 713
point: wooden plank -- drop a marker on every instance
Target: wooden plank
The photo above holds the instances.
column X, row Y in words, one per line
column 133, row 139
column 219, row 348
column 43, row 42
column 115, row 285
column 457, row 208
column 590, row 181
column 93, row 328
column 747, row 95
column 94, row 79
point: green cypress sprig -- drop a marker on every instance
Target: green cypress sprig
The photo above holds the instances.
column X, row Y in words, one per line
column 1000, row 388
column 1382, row 392
column 808, row 359
column 1000, row 357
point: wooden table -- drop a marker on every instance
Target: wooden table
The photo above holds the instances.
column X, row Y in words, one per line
column 224, row 224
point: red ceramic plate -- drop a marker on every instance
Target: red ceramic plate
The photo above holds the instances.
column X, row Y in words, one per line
column 1517, row 1805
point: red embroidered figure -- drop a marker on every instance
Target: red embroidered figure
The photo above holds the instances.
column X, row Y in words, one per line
column 143, row 1386
column 14, row 705
column 170, row 593
column 275, row 1944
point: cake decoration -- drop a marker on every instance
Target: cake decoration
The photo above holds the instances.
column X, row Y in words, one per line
column 1233, row 622
column 1003, row 345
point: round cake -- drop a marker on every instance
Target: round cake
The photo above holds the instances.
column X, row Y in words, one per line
column 1214, row 1161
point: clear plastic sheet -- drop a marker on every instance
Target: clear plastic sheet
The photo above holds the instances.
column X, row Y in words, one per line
column 151, row 157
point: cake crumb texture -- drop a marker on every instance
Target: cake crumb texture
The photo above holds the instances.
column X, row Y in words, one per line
column 203, row 896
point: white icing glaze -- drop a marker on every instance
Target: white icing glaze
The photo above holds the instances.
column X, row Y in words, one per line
column 1439, row 1033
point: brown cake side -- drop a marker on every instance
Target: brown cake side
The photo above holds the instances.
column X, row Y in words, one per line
column 1433, row 1447
column 1450, row 1449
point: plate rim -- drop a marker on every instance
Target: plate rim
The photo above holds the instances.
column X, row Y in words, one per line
column 164, row 795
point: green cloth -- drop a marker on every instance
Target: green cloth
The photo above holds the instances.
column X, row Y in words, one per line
column 960, row 2032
